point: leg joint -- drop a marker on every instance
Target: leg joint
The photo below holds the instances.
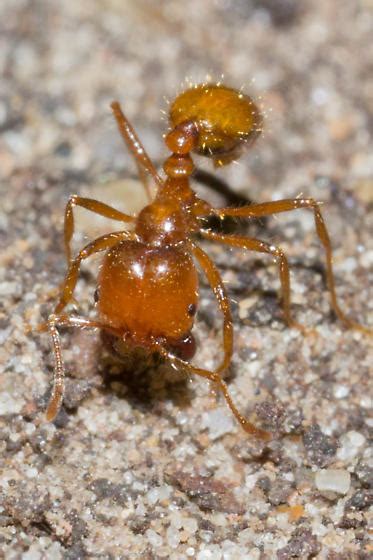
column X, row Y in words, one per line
column 278, row 253
column 309, row 203
column 73, row 199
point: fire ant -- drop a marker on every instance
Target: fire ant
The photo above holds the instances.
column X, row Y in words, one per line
column 147, row 288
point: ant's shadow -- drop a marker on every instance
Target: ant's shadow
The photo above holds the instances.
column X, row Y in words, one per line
column 142, row 378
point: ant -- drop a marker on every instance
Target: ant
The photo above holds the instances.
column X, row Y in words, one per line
column 147, row 288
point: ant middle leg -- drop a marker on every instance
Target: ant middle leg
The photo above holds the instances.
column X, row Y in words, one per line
column 287, row 205
column 215, row 377
column 263, row 247
column 93, row 206
column 100, row 244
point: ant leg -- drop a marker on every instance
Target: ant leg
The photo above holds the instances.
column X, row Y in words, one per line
column 216, row 283
column 215, row 377
column 58, row 390
column 262, row 247
column 100, row 244
column 144, row 164
column 93, row 206
column 287, row 205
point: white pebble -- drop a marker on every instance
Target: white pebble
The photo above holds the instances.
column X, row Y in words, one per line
column 366, row 401
column 33, row 553
column 158, row 494
column 127, row 477
column 176, row 520
column 32, row 472
column 244, row 306
column 9, row 405
column 350, row 445
column 190, row 525
column 153, row 538
column 333, row 480
column 173, row 537
column 348, row 265
column 30, row 429
column 212, row 553
column 320, row 96
column 254, row 554
column 218, row 422
column 10, row 289
column 341, row 391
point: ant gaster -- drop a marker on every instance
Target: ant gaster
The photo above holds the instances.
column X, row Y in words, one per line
column 147, row 289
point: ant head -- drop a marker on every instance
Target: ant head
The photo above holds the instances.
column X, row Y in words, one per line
column 223, row 119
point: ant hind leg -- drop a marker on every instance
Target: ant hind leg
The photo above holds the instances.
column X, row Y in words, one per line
column 259, row 246
column 288, row 205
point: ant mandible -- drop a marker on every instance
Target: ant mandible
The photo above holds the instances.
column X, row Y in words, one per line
column 147, row 289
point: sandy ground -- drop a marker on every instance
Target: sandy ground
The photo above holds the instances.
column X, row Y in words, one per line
column 138, row 464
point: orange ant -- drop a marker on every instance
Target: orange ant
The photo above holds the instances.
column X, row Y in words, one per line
column 147, row 289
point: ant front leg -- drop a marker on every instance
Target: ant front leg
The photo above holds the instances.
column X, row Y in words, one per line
column 215, row 377
column 144, row 164
column 262, row 247
column 93, row 206
column 100, row 244
column 58, row 390
column 287, row 205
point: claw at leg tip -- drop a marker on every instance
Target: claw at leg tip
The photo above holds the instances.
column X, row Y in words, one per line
column 52, row 411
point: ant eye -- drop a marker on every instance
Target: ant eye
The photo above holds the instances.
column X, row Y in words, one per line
column 226, row 119
column 192, row 309
column 96, row 295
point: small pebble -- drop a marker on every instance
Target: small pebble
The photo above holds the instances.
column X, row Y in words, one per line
column 33, row 553
column 32, row 472
column 341, row 391
column 350, row 445
column 190, row 525
column 244, row 306
column 153, row 538
column 218, row 422
column 212, row 553
column 173, row 537
column 158, row 494
column 333, row 480
column 10, row 289
column 9, row 405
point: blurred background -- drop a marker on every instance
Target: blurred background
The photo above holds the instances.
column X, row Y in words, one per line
column 309, row 65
